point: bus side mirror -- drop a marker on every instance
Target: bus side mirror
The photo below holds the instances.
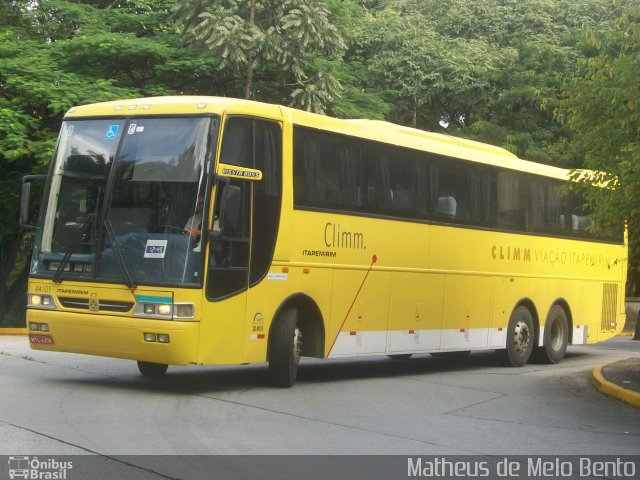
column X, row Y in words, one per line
column 25, row 200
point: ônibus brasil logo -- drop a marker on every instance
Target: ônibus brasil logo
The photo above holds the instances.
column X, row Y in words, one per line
column 33, row 468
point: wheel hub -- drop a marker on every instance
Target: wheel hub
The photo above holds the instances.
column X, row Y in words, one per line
column 522, row 337
column 297, row 344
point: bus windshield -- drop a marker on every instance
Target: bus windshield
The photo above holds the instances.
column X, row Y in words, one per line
column 125, row 202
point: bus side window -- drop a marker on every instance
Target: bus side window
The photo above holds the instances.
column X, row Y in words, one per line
column 456, row 191
column 407, row 176
column 512, row 200
column 379, row 194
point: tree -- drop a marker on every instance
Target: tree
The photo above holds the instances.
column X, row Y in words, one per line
column 491, row 70
column 288, row 42
column 55, row 54
column 602, row 109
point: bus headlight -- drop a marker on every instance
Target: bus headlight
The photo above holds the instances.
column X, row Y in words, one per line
column 39, row 300
column 149, row 308
column 39, row 327
column 165, row 311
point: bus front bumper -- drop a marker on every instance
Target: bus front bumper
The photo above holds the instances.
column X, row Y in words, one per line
column 159, row 341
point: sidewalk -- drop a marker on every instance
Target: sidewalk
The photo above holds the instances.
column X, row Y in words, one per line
column 620, row 380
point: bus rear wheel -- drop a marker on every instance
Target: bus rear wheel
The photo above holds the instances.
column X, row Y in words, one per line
column 556, row 336
column 520, row 338
column 154, row 370
column 285, row 351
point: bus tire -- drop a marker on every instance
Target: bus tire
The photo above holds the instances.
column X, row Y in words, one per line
column 520, row 338
column 556, row 336
column 149, row 369
column 286, row 346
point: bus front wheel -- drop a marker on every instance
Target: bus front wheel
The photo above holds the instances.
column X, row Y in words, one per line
column 520, row 338
column 149, row 369
column 286, row 347
column 556, row 336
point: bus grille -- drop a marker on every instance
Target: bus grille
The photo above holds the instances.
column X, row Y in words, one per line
column 609, row 302
column 103, row 306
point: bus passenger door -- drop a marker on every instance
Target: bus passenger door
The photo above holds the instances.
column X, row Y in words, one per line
column 242, row 240
column 227, row 275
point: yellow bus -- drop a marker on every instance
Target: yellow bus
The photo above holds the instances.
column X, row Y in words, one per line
column 204, row 230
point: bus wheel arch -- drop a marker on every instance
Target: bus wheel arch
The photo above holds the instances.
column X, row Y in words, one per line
column 523, row 331
column 295, row 331
column 557, row 332
column 310, row 322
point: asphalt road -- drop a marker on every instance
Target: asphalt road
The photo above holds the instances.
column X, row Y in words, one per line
column 57, row 404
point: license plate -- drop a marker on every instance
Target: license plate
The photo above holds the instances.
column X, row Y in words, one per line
column 40, row 339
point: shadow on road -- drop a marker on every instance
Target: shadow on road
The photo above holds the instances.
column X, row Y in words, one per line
column 209, row 380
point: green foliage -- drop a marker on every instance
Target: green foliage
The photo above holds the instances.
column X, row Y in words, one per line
column 270, row 42
column 602, row 109
column 55, row 54
column 491, row 70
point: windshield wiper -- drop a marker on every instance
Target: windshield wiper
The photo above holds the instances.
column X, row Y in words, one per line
column 85, row 226
column 117, row 253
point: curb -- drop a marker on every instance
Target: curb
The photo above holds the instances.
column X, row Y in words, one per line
column 13, row 331
column 611, row 389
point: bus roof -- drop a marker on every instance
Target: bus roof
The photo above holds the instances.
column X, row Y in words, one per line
column 375, row 130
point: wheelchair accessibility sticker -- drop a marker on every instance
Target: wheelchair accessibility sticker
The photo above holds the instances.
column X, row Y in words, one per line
column 111, row 133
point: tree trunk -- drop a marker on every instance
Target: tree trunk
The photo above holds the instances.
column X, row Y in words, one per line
column 251, row 56
column 249, row 80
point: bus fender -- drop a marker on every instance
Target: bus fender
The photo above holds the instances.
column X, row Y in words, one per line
column 310, row 322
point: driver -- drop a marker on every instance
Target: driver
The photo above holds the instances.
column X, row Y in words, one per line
column 193, row 227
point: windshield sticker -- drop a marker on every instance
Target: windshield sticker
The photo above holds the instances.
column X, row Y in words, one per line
column 111, row 133
column 135, row 128
column 155, row 248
